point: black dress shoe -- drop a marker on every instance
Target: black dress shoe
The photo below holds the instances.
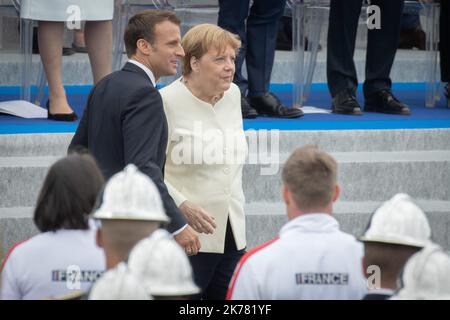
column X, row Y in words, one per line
column 68, row 117
column 384, row 101
column 247, row 111
column 345, row 103
column 412, row 38
column 270, row 105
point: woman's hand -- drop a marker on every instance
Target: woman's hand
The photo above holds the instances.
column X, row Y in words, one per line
column 200, row 220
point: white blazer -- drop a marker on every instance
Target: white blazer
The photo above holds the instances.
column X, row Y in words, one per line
column 205, row 156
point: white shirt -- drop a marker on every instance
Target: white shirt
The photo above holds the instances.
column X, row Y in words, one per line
column 45, row 265
column 311, row 259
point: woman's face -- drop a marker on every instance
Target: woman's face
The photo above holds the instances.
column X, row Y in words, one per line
column 216, row 69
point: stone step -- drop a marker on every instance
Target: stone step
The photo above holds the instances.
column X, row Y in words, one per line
column 264, row 220
column 16, row 224
column 76, row 69
column 55, row 144
column 363, row 176
column 35, row 144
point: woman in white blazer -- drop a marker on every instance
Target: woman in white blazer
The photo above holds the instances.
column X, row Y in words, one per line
column 206, row 152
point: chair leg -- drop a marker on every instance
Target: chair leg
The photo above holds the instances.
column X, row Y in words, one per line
column 317, row 16
column 26, row 38
column 298, row 47
column 121, row 13
column 431, row 81
column 42, row 81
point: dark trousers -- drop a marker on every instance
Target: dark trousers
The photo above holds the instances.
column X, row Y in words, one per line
column 259, row 38
column 444, row 40
column 213, row 271
column 381, row 45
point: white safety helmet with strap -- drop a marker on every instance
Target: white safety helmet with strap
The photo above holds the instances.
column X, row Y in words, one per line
column 130, row 195
column 426, row 276
column 118, row 284
column 399, row 221
column 162, row 266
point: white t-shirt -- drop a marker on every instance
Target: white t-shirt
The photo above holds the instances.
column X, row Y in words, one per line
column 311, row 259
column 52, row 264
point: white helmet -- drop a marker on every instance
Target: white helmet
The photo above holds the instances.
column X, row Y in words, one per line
column 118, row 284
column 399, row 221
column 131, row 195
column 426, row 276
column 161, row 266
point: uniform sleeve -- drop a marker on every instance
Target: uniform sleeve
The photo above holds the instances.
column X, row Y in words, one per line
column 10, row 289
column 143, row 128
column 244, row 284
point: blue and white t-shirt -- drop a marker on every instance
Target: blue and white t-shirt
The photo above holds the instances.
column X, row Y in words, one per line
column 52, row 264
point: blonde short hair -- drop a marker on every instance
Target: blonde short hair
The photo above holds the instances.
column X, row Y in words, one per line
column 203, row 37
column 311, row 177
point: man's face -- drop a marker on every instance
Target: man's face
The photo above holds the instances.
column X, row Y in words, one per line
column 166, row 52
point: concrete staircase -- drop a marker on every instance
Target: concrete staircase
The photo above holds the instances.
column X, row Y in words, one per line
column 373, row 166
column 76, row 69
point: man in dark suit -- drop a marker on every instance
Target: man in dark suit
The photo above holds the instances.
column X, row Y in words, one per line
column 381, row 48
column 124, row 120
column 258, row 31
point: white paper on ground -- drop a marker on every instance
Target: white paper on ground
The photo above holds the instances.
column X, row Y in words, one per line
column 309, row 109
column 23, row 109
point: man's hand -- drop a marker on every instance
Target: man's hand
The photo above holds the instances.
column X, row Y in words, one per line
column 188, row 240
column 198, row 218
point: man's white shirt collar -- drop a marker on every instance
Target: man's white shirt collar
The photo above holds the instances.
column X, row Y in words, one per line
column 147, row 71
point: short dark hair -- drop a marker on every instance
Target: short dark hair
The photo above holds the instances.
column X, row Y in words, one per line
column 311, row 176
column 142, row 26
column 68, row 194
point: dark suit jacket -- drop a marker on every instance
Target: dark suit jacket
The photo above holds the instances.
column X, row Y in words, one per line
column 124, row 122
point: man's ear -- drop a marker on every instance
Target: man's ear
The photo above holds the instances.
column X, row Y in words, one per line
column 98, row 238
column 337, row 192
column 364, row 267
column 194, row 64
column 143, row 46
column 286, row 195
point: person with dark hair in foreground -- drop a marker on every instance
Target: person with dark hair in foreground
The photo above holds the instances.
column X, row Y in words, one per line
column 64, row 256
